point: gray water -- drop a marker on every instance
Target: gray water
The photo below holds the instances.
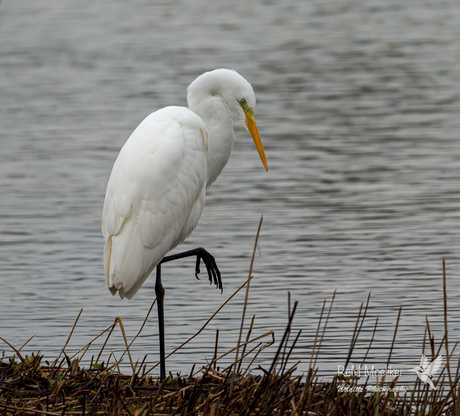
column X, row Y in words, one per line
column 358, row 108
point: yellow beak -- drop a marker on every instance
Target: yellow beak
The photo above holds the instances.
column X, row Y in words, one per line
column 254, row 132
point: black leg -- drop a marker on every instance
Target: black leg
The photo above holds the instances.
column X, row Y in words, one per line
column 209, row 262
column 213, row 275
column 160, row 293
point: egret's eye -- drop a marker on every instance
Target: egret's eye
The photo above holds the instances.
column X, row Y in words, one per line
column 243, row 101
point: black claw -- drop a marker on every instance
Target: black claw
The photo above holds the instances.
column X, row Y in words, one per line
column 209, row 262
column 211, row 268
column 197, row 267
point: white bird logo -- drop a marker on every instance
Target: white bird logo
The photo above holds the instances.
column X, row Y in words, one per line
column 427, row 370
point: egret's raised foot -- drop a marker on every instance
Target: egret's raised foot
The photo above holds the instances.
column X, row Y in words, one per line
column 211, row 267
column 208, row 260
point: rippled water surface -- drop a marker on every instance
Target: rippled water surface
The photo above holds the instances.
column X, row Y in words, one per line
column 359, row 111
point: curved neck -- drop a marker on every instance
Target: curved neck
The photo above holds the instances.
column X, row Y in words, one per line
column 218, row 118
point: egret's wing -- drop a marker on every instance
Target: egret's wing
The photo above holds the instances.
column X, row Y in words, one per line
column 424, row 362
column 434, row 367
column 157, row 184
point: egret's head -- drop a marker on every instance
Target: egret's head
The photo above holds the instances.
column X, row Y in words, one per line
column 237, row 93
column 241, row 98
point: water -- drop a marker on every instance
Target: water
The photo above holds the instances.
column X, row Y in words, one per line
column 358, row 107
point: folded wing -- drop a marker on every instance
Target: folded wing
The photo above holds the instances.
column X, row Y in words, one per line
column 154, row 197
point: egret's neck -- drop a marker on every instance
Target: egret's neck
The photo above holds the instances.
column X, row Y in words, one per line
column 218, row 117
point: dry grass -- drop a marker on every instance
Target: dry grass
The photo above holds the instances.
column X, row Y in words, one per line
column 30, row 387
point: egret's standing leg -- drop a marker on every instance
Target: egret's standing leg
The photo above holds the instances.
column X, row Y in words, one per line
column 213, row 274
column 160, row 293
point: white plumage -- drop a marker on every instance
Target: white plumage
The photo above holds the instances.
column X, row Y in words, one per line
column 156, row 191
column 427, row 370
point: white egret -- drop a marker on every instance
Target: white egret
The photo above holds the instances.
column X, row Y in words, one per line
column 156, row 191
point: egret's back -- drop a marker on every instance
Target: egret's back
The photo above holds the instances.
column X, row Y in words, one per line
column 155, row 195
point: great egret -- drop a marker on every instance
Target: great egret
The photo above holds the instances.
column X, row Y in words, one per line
column 156, row 191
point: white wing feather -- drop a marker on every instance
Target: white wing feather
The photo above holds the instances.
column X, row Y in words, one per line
column 434, row 367
column 155, row 195
column 424, row 362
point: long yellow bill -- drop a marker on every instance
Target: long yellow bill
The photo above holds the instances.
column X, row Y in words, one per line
column 253, row 130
